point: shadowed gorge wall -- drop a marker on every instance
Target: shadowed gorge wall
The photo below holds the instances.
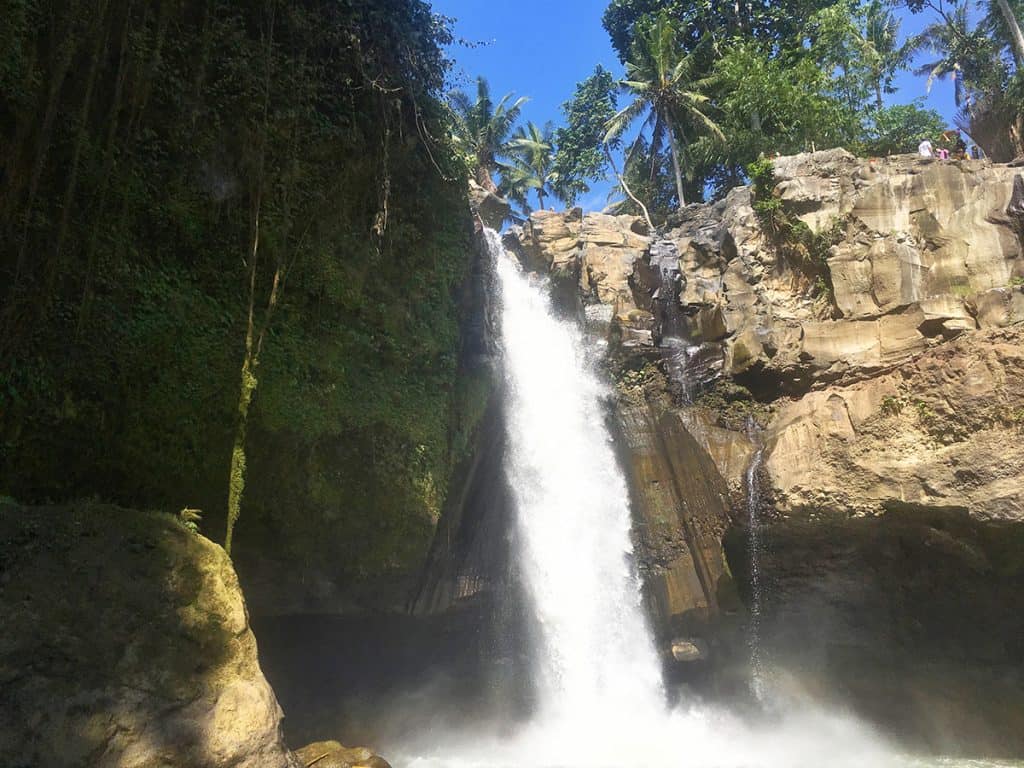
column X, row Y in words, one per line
column 143, row 146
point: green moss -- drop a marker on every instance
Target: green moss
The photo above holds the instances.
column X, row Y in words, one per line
column 121, row 350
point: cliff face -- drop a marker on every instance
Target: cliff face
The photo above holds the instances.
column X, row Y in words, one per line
column 838, row 355
column 140, row 152
column 126, row 643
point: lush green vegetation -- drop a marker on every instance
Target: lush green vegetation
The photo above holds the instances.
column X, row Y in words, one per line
column 233, row 234
column 711, row 87
column 207, row 204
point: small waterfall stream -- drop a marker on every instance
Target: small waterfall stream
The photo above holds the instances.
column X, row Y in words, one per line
column 755, row 549
column 599, row 695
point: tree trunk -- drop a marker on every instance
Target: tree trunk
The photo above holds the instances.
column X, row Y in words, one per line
column 675, row 167
column 1016, row 35
column 237, row 478
column 253, row 340
column 483, row 178
column 622, row 180
column 540, row 197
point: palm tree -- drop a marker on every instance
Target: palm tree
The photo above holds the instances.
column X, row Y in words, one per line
column 665, row 84
column 480, row 128
column 966, row 55
column 1002, row 21
column 531, row 150
column 880, row 45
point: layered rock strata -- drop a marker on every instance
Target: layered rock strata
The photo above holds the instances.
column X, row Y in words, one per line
column 873, row 348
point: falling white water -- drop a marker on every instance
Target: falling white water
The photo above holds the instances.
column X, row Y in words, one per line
column 595, row 655
column 595, row 669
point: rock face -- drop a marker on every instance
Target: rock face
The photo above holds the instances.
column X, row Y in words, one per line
column 589, row 256
column 919, row 251
column 870, row 354
column 681, row 508
column 126, row 644
column 942, row 432
column 489, row 207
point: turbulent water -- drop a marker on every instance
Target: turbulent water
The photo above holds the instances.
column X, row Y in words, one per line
column 594, row 655
column 600, row 698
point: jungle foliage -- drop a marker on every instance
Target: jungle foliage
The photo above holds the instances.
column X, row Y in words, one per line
column 800, row 75
column 165, row 166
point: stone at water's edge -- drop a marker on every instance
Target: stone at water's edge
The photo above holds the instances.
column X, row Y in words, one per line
column 126, row 644
column 332, row 754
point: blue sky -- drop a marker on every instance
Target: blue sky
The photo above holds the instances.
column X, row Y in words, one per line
column 542, row 48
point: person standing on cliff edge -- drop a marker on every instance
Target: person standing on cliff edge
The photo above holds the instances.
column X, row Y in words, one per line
column 924, row 149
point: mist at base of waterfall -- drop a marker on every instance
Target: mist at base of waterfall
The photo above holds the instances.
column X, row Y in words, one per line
column 704, row 737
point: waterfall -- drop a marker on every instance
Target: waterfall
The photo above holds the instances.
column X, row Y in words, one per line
column 594, row 652
column 600, row 698
column 755, row 550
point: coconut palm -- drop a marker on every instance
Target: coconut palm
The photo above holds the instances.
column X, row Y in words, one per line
column 881, row 48
column 968, row 56
column 480, row 128
column 665, row 83
column 531, row 153
column 1002, row 18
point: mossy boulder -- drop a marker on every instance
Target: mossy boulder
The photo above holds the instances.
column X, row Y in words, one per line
column 126, row 642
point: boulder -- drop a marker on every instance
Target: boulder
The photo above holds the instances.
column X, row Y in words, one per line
column 126, row 644
column 333, row 754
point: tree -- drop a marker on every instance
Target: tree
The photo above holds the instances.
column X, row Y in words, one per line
column 666, row 86
column 1003, row 21
column 531, row 151
column 637, row 182
column 777, row 24
column 901, row 128
column 579, row 157
column 880, row 46
column 837, row 44
column 966, row 55
column 794, row 98
column 480, row 129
